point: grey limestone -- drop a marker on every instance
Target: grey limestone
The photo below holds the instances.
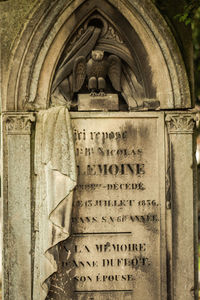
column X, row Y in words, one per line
column 108, row 102
column 127, row 227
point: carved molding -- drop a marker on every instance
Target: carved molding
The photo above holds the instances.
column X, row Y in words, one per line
column 19, row 124
column 99, row 61
column 180, row 123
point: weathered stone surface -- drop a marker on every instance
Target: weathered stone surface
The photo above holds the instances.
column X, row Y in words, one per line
column 163, row 74
column 133, row 233
column 117, row 245
column 98, row 103
column 17, row 206
column 14, row 15
column 184, row 283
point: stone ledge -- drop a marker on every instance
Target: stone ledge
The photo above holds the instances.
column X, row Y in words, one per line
column 109, row 102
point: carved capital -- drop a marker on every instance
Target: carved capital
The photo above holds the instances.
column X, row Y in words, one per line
column 19, row 124
column 180, row 123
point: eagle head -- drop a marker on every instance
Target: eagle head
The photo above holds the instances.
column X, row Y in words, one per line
column 97, row 55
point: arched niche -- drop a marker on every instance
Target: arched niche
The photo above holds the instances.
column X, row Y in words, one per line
column 158, row 61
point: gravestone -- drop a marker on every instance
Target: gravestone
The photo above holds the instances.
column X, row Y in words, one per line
column 118, row 221
column 99, row 175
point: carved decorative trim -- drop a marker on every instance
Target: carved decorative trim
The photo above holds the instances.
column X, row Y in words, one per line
column 180, row 123
column 19, row 124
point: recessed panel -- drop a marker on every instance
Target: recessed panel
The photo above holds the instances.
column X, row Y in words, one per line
column 117, row 244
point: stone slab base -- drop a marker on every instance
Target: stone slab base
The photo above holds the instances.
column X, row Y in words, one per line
column 109, row 102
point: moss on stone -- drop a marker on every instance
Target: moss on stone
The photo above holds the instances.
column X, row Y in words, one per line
column 13, row 15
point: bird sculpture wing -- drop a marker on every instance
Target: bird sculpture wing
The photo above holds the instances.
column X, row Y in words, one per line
column 79, row 73
column 114, row 71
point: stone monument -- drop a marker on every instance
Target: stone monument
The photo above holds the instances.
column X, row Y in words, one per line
column 98, row 157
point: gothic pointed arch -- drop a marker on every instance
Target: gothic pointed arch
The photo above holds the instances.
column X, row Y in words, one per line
column 154, row 58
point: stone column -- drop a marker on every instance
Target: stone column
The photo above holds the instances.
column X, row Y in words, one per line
column 17, row 205
column 183, row 205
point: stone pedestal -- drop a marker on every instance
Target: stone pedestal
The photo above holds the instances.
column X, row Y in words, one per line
column 108, row 102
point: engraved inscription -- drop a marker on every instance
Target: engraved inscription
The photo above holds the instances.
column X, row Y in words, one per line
column 114, row 164
column 114, row 247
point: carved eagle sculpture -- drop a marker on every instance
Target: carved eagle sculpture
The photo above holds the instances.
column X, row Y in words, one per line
column 96, row 70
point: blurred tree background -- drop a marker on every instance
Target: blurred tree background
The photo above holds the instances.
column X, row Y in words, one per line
column 184, row 17
column 191, row 16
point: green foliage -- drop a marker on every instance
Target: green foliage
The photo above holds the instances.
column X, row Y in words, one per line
column 196, row 42
column 190, row 12
column 187, row 12
column 191, row 15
